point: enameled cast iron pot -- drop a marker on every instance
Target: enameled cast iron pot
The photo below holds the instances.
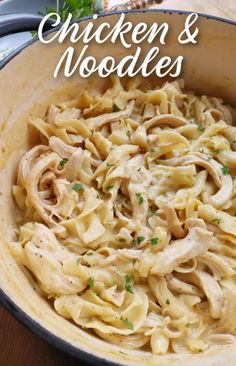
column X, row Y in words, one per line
column 26, row 88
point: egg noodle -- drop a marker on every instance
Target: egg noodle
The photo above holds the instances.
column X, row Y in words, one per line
column 129, row 209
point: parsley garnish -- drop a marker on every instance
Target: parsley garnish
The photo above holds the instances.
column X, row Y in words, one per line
column 63, row 162
column 216, row 221
column 140, row 239
column 116, row 108
column 89, row 254
column 225, row 170
column 77, row 261
column 78, row 187
column 153, row 241
column 78, row 9
column 128, row 280
column 199, row 350
column 155, row 213
column 122, row 240
column 110, row 165
column 128, row 133
column 201, row 151
column 201, row 128
column 91, row 282
column 167, row 302
column 126, row 323
column 187, row 325
column 108, row 188
column 209, row 158
column 216, row 151
column 140, row 198
column 152, row 150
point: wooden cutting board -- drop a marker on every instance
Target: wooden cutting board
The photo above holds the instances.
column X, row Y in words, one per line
column 18, row 346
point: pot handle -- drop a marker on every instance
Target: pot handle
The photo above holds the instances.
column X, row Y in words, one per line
column 14, row 23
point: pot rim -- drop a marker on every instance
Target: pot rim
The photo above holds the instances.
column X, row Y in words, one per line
column 5, row 300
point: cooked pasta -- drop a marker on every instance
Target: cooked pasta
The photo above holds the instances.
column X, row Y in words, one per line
column 129, row 206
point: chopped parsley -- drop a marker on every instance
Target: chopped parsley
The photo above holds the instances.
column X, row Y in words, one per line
column 91, row 282
column 187, row 325
column 108, row 188
column 201, row 151
column 209, row 158
column 152, row 150
column 78, row 187
column 155, row 213
column 128, row 133
column 98, row 197
column 78, row 261
column 122, row 240
column 116, row 108
column 216, row 221
column 110, row 165
column 63, row 162
column 90, row 254
column 167, row 302
column 153, row 241
column 201, row 128
column 199, row 350
column 128, row 287
column 217, row 151
column 126, row 323
column 140, row 198
column 225, row 170
column 140, row 239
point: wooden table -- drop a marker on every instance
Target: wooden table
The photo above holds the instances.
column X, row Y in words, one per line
column 18, row 346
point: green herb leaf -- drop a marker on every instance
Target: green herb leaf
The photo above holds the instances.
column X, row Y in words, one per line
column 91, row 282
column 167, row 302
column 63, row 162
column 108, row 188
column 78, row 9
column 90, row 254
column 128, row 287
column 155, row 213
column 140, row 198
column 140, row 239
column 153, row 241
column 209, row 158
column 127, row 324
column 128, row 133
column 78, row 187
column 200, row 350
column 110, row 165
column 78, row 261
column 187, row 325
column 116, row 108
column 122, row 240
column 216, row 151
column 216, row 221
column 200, row 128
column 152, row 150
column 225, row 170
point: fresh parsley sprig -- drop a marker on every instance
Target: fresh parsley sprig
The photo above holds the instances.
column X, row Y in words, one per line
column 78, row 9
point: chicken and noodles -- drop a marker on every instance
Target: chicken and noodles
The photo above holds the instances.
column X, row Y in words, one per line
column 129, row 206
